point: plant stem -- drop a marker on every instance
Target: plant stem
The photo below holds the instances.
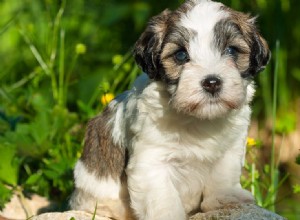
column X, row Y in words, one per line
column 61, row 94
column 54, row 44
column 274, row 171
column 24, row 202
column 46, row 68
column 253, row 179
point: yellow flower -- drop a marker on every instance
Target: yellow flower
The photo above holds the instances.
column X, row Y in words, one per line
column 296, row 188
column 251, row 142
column 106, row 98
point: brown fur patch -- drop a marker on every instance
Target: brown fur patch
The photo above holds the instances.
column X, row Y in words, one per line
column 177, row 38
column 254, row 52
column 149, row 47
column 100, row 154
column 172, row 69
column 229, row 34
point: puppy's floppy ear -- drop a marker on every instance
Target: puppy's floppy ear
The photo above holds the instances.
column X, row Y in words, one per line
column 148, row 47
column 260, row 53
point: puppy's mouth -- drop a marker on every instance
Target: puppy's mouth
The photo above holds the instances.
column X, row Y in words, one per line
column 213, row 97
column 230, row 104
column 209, row 106
column 213, row 102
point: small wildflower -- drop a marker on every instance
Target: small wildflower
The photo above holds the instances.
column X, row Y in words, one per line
column 251, row 142
column 117, row 59
column 256, row 174
column 126, row 67
column 106, row 98
column 105, row 86
column 296, row 188
column 267, row 168
column 80, row 48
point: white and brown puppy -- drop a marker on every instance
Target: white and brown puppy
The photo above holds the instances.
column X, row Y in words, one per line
column 175, row 143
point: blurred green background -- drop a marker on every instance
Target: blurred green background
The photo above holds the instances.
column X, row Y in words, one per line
column 61, row 61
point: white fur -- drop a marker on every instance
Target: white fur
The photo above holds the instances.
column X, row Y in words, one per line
column 206, row 60
column 203, row 17
column 99, row 188
column 180, row 156
column 177, row 158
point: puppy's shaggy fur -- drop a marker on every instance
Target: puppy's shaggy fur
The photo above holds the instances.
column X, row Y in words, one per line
column 175, row 143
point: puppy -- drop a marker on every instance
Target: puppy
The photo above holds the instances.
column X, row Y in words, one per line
column 175, row 143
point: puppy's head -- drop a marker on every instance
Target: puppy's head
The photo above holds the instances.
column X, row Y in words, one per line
column 206, row 54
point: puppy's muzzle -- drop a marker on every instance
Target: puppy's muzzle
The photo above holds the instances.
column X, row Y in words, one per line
column 212, row 84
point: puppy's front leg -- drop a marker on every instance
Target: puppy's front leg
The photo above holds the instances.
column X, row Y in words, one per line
column 223, row 186
column 152, row 193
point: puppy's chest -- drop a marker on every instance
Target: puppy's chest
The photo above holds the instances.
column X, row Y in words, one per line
column 187, row 148
column 190, row 178
column 185, row 139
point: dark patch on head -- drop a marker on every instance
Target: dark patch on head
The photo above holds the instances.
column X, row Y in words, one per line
column 163, row 36
column 100, row 154
column 147, row 48
column 177, row 39
column 239, row 30
column 228, row 34
column 160, row 30
column 259, row 57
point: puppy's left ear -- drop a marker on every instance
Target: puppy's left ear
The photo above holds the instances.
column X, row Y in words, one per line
column 148, row 47
column 260, row 53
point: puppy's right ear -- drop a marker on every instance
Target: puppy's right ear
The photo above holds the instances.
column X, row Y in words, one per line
column 148, row 47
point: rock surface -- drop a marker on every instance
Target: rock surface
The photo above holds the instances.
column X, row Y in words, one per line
column 19, row 209
column 239, row 212
column 77, row 215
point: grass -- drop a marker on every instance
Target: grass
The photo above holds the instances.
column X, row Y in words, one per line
column 61, row 64
column 265, row 183
column 265, row 192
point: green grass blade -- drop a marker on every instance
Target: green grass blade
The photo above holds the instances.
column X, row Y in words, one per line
column 42, row 63
column 61, row 98
column 35, row 53
column 274, row 170
column 95, row 211
column 7, row 25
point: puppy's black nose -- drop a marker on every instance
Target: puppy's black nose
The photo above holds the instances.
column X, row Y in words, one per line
column 212, row 84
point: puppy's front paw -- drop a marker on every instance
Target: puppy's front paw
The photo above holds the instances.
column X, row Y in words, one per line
column 226, row 197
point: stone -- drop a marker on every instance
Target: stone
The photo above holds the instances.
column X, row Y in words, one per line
column 21, row 208
column 231, row 212
column 238, row 212
column 76, row 215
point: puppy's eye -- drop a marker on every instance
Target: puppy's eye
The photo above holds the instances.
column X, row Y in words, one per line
column 181, row 56
column 232, row 51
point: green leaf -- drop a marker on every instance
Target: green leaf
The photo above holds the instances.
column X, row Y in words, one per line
column 5, row 195
column 33, row 179
column 9, row 166
column 51, row 174
column 286, row 122
column 298, row 159
column 296, row 188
